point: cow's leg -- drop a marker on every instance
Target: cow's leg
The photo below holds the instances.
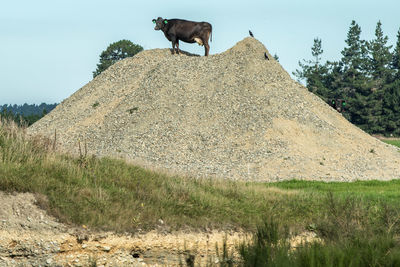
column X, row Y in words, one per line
column 173, row 47
column 177, row 46
column 175, row 42
column 205, row 38
column 206, row 47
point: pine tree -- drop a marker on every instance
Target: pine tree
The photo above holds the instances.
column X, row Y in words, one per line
column 354, row 61
column 391, row 108
column 391, row 98
column 317, row 51
column 353, row 54
column 333, row 80
column 367, row 77
column 380, row 58
column 395, row 64
column 378, row 73
column 354, row 85
column 313, row 72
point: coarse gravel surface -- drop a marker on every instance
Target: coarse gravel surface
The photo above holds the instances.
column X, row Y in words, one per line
column 232, row 115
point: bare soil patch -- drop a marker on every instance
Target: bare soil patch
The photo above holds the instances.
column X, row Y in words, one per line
column 29, row 237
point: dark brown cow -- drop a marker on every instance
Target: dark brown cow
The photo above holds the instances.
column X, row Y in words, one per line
column 186, row 31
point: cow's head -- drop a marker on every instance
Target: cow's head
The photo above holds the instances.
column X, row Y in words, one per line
column 160, row 23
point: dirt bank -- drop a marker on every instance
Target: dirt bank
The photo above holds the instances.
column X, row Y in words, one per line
column 29, row 237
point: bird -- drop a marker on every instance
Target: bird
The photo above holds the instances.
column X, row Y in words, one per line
column 251, row 34
column 266, row 56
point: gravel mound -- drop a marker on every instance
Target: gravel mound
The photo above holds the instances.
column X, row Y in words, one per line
column 232, row 115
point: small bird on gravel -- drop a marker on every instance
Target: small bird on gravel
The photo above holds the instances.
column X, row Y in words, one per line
column 251, row 34
column 266, row 56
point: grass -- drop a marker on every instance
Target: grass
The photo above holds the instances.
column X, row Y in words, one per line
column 110, row 194
column 357, row 220
column 373, row 190
column 394, row 142
column 365, row 242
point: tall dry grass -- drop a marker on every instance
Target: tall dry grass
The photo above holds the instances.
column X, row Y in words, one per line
column 113, row 195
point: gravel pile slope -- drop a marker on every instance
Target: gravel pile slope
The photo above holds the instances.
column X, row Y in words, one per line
column 231, row 115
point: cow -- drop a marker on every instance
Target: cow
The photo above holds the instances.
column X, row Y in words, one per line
column 338, row 104
column 186, row 31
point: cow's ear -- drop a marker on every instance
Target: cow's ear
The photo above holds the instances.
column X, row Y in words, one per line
column 154, row 21
column 165, row 21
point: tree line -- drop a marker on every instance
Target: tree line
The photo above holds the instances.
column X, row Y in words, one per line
column 25, row 114
column 28, row 114
column 367, row 77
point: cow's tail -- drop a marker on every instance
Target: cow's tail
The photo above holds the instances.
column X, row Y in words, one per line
column 210, row 33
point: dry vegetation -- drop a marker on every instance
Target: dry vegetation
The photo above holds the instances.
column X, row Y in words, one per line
column 110, row 194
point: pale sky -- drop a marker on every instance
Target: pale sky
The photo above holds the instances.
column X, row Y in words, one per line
column 49, row 48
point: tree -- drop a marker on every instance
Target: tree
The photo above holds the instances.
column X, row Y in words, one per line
column 354, row 54
column 380, row 74
column 313, row 72
column 354, row 62
column 317, row 51
column 354, row 84
column 379, row 57
column 367, row 77
column 115, row 52
column 391, row 108
column 25, row 114
column 333, row 79
column 391, row 97
column 395, row 64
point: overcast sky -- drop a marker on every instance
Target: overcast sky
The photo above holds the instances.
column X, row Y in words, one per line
column 49, row 48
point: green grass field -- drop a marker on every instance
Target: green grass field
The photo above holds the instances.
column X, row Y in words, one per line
column 393, row 142
column 110, row 194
